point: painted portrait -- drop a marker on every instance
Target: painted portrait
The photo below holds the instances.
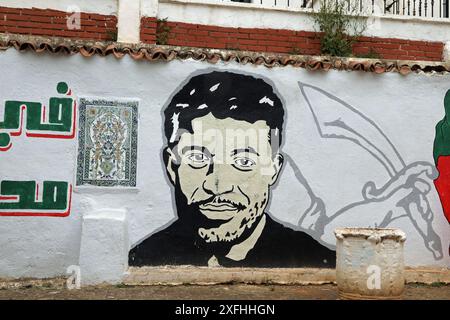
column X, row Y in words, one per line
column 223, row 156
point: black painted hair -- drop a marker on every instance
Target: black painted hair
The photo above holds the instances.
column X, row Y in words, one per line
column 225, row 95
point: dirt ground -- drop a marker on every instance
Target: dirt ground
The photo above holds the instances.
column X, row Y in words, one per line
column 191, row 292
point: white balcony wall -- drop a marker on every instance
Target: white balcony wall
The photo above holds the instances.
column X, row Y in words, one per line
column 107, row 7
column 233, row 14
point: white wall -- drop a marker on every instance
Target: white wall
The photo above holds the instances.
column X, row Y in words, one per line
column 232, row 14
column 108, row 7
column 129, row 21
column 255, row 16
column 149, row 8
column 336, row 170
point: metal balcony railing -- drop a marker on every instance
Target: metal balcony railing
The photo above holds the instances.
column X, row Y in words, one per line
column 418, row 8
column 407, row 8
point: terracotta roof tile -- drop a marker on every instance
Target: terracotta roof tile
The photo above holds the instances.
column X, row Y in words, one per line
column 168, row 53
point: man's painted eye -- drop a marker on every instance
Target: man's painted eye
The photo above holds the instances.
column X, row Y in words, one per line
column 244, row 163
column 198, row 158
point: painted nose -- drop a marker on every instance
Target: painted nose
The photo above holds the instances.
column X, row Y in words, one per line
column 218, row 180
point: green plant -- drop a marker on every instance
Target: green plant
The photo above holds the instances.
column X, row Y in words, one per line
column 112, row 35
column 232, row 47
column 340, row 24
column 295, row 51
column 372, row 54
column 439, row 284
column 162, row 31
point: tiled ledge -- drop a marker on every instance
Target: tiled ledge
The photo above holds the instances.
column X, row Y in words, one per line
column 167, row 53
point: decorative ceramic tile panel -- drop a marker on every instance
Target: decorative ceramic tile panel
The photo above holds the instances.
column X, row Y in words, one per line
column 107, row 142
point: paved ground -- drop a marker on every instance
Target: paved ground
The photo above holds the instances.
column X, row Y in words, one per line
column 228, row 292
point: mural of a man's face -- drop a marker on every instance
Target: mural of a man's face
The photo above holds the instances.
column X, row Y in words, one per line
column 223, row 134
column 224, row 168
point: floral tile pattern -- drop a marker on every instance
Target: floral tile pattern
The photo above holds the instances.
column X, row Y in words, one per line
column 107, row 142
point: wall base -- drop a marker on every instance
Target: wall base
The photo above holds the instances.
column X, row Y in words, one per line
column 303, row 276
column 207, row 276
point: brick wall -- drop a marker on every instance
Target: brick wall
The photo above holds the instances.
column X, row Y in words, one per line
column 389, row 48
column 251, row 39
column 293, row 42
column 45, row 22
column 148, row 30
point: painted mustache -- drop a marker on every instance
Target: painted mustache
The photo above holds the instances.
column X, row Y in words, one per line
column 220, row 204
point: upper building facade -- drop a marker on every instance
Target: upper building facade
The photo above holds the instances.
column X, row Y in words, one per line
column 399, row 30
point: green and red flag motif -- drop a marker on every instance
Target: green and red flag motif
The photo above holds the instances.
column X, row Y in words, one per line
column 441, row 154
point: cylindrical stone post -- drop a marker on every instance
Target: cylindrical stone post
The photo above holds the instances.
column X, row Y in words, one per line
column 370, row 263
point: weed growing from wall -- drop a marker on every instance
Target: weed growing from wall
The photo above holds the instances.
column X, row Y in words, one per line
column 340, row 24
column 162, row 31
column 295, row 51
column 372, row 54
column 112, row 35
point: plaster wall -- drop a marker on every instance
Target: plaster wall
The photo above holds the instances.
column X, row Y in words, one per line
column 406, row 108
column 107, row 7
column 253, row 16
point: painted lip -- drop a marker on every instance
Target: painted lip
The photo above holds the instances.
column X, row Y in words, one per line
column 218, row 211
column 223, row 206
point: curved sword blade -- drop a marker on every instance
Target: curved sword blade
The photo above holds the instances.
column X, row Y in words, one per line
column 336, row 119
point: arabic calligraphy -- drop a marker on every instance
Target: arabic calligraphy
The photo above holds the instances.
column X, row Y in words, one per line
column 26, row 198
column 57, row 122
